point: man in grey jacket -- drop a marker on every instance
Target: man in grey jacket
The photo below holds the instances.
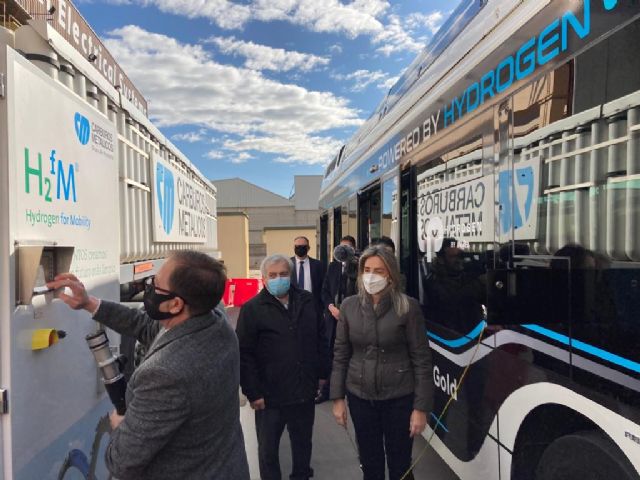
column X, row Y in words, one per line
column 182, row 419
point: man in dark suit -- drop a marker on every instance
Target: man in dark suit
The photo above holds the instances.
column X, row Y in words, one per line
column 307, row 273
column 339, row 283
column 182, row 418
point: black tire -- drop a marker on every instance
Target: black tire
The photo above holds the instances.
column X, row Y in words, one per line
column 584, row 456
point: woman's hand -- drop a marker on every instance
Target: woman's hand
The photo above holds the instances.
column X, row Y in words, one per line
column 340, row 411
column 417, row 424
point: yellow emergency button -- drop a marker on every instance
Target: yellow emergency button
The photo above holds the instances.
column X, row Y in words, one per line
column 45, row 337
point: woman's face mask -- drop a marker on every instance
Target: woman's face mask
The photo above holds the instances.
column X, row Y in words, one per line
column 374, row 283
column 152, row 301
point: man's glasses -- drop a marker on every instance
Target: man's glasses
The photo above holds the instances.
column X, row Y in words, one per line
column 150, row 287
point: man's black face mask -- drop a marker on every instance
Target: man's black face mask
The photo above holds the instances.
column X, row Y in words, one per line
column 301, row 250
column 152, row 300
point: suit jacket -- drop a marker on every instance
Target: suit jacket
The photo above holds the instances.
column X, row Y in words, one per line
column 317, row 277
column 335, row 280
column 182, row 417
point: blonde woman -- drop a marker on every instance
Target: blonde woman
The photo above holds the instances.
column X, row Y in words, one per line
column 382, row 365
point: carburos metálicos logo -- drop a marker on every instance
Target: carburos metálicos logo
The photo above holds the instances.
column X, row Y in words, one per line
column 165, row 192
column 83, row 128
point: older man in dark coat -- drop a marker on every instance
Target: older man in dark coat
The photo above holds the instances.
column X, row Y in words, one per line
column 283, row 359
column 182, row 420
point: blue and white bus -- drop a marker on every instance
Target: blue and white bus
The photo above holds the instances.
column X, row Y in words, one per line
column 505, row 165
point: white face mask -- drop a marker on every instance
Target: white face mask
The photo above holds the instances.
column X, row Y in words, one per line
column 374, row 283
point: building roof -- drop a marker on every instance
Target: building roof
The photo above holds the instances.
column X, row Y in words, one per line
column 307, row 191
column 238, row 193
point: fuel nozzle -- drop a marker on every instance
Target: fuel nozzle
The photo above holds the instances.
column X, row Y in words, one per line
column 110, row 368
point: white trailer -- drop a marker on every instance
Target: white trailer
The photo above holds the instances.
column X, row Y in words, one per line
column 89, row 185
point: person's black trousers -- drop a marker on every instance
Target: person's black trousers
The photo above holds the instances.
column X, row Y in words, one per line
column 383, row 426
column 270, row 424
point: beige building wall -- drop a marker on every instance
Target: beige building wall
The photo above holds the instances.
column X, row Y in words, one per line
column 280, row 239
column 261, row 218
column 233, row 239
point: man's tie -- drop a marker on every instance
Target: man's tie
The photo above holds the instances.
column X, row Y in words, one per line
column 301, row 276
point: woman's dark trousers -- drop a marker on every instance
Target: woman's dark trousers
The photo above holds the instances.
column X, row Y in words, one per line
column 382, row 426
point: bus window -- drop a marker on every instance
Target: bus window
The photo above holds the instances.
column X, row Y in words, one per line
column 543, row 101
column 337, row 225
column 575, row 212
column 324, row 247
column 369, row 216
column 595, row 85
column 455, row 208
column 390, row 208
column 407, row 242
column 330, row 224
column 344, row 226
column 353, row 218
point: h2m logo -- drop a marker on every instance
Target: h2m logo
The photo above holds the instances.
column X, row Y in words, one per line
column 62, row 181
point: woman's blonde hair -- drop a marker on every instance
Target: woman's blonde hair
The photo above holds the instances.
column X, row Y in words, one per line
column 394, row 288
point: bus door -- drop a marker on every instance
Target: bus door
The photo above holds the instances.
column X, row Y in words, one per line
column 529, row 272
column 337, row 225
column 528, row 275
column 408, row 246
column 324, row 243
column 369, row 216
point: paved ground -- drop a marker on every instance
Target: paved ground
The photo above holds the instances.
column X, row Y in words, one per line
column 333, row 455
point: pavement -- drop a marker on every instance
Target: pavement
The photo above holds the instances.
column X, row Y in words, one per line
column 334, row 457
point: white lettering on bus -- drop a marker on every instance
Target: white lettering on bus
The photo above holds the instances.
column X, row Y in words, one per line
column 448, row 386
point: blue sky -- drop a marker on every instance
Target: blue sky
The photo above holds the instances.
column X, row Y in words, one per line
column 263, row 89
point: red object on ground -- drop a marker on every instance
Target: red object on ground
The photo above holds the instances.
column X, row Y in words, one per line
column 246, row 289
column 239, row 291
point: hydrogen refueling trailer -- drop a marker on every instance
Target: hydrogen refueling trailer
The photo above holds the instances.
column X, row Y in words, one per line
column 90, row 186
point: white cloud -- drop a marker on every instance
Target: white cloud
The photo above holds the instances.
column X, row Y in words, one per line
column 352, row 19
column 396, row 38
column 229, row 156
column 336, row 49
column 189, row 88
column 215, row 155
column 359, row 17
column 291, row 147
column 190, row 137
column 242, row 157
column 262, row 57
column 363, row 78
column 223, row 13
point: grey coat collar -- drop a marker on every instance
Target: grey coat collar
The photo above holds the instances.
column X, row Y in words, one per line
column 192, row 325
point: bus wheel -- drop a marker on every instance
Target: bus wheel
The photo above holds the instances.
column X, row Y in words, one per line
column 584, row 456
